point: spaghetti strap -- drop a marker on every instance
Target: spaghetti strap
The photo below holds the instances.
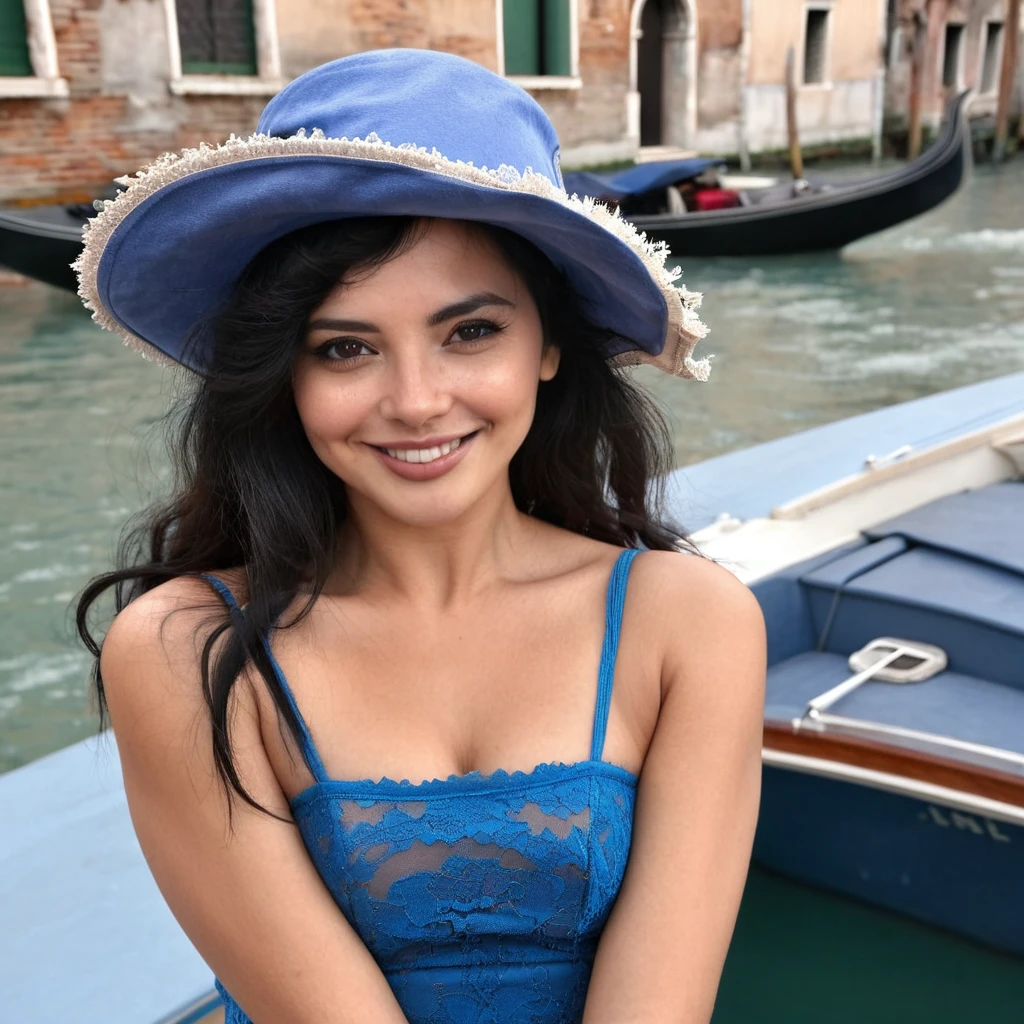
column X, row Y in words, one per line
column 613, row 625
column 309, row 751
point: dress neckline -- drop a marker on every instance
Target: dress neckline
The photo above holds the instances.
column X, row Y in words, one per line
column 474, row 782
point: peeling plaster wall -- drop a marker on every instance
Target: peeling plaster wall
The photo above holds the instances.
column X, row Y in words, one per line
column 973, row 15
column 844, row 107
column 135, row 63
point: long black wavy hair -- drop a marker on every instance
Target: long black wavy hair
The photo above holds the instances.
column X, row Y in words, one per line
column 250, row 492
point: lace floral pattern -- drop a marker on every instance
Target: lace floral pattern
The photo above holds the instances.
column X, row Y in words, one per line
column 482, row 898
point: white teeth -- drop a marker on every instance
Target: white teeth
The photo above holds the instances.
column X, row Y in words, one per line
column 423, row 454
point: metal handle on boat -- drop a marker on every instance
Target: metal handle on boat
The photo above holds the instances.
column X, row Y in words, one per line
column 825, row 700
column 878, row 461
column 929, row 661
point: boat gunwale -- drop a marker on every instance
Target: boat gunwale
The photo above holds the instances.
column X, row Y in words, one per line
column 903, row 766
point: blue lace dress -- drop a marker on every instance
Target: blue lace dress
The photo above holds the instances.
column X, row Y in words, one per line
column 481, row 897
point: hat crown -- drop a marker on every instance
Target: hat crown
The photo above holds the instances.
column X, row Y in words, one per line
column 424, row 98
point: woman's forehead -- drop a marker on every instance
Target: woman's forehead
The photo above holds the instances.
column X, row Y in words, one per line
column 444, row 259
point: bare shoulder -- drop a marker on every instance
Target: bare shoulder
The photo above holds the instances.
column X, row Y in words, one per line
column 697, row 609
column 153, row 647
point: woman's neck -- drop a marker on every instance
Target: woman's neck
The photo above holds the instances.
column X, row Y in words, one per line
column 438, row 565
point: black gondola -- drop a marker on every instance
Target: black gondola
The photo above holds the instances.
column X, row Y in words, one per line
column 789, row 219
column 42, row 241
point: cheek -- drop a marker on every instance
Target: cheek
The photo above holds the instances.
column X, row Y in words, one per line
column 501, row 386
column 328, row 410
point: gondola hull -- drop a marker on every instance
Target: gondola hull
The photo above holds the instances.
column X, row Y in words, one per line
column 830, row 217
column 41, row 243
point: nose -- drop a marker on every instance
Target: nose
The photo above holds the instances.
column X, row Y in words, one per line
column 417, row 391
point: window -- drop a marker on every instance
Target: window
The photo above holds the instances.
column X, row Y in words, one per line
column 538, row 37
column 14, row 58
column 217, row 37
column 952, row 55
column 815, row 45
column 28, row 51
column 990, row 61
column 223, row 47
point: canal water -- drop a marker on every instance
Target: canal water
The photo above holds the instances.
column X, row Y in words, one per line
column 797, row 341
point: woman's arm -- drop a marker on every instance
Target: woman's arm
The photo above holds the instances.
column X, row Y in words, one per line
column 663, row 947
column 249, row 899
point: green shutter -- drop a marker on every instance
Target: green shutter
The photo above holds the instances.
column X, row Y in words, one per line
column 217, row 37
column 522, row 37
column 14, row 59
column 557, row 38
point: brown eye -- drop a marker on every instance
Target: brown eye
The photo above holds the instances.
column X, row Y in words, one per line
column 475, row 331
column 342, row 349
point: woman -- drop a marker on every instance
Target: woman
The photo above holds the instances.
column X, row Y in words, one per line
column 411, row 490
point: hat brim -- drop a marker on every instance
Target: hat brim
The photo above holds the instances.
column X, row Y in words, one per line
column 165, row 254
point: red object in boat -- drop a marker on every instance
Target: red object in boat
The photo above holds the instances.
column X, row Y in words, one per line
column 715, row 199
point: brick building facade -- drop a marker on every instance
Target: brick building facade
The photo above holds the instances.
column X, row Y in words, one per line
column 91, row 89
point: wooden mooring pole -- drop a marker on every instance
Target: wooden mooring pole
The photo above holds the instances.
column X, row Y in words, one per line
column 796, row 159
column 919, row 47
column 1007, row 77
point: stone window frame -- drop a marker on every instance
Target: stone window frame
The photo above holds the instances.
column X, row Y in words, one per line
column 982, row 49
column 45, row 81
column 960, row 57
column 532, row 82
column 828, row 6
column 266, row 82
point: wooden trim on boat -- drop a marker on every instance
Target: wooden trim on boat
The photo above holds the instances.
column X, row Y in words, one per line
column 899, row 761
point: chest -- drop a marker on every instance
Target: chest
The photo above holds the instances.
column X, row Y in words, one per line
column 392, row 691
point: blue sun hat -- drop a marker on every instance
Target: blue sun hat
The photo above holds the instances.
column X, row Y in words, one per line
column 385, row 132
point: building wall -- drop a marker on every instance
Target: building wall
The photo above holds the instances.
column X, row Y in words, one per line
column 973, row 15
column 720, row 75
column 119, row 113
column 847, row 105
column 591, row 120
column 312, row 32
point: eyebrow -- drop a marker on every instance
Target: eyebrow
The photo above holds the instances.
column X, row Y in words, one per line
column 467, row 305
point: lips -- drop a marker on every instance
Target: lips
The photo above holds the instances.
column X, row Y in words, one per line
column 427, row 460
column 423, row 455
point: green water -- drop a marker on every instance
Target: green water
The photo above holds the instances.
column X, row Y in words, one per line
column 801, row 956
column 799, row 341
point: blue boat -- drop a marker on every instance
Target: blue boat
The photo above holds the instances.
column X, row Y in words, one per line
column 887, row 552
column 904, row 525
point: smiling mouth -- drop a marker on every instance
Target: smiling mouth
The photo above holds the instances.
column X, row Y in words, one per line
column 425, row 455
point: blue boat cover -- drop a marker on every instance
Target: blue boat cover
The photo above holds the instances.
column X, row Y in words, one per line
column 659, row 173
column 985, row 524
column 949, row 573
column 635, row 181
column 597, row 186
column 963, row 707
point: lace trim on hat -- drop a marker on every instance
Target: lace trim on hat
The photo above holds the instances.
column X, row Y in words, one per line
column 685, row 328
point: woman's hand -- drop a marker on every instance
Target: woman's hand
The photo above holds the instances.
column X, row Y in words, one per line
column 662, row 951
column 248, row 896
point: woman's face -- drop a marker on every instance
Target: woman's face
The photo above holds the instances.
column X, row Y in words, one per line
column 416, row 381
